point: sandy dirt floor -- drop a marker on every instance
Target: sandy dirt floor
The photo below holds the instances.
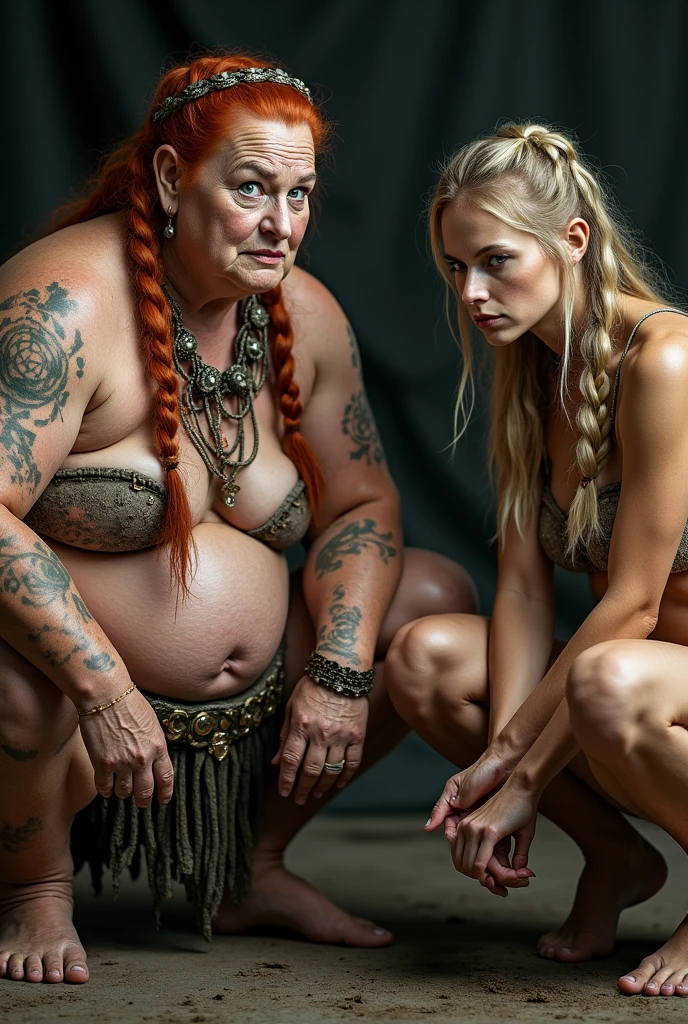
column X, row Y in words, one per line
column 459, row 953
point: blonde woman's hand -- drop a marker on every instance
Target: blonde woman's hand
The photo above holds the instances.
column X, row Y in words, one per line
column 128, row 751
column 467, row 789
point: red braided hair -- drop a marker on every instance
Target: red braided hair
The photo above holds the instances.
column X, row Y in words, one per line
column 126, row 183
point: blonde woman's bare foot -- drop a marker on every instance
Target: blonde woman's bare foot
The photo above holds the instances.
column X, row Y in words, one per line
column 280, row 899
column 38, row 941
column 664, row 973
column 616, row 879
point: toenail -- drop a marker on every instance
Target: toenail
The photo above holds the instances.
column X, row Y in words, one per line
column 53, row 974
column 650, row 984
column 380, row 931
column 628, row 977
column 565, row 949
column 81, row 969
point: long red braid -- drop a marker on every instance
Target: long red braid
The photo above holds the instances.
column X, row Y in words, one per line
column 126, row 183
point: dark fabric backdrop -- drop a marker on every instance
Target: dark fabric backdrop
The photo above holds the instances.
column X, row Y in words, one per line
column 406, row 82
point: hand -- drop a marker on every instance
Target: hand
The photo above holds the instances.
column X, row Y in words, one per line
column 128, row 751
column 319, row 726
column 482, row 844
column 466, row 789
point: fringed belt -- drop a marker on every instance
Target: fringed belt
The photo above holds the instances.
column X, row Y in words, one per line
column 204, row 837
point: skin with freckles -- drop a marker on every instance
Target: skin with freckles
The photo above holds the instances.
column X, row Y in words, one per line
column 78, row 626
column 494, row 692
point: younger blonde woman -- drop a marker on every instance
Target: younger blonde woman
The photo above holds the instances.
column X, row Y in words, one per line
column 590, row 444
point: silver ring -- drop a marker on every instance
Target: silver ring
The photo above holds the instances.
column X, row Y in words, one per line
column 334, row 769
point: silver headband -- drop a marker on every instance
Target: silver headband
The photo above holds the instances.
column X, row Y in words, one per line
column 225, row 80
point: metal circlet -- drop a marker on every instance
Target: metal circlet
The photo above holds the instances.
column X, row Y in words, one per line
column 206, row 389
column 225, row 80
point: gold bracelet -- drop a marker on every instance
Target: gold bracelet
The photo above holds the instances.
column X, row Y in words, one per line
column 102, row 707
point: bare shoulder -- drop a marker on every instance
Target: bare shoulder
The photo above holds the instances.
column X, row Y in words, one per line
column 319, row 322
column 81, row 268
column 655, row 379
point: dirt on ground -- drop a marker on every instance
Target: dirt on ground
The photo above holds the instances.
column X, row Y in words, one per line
column 459, row 953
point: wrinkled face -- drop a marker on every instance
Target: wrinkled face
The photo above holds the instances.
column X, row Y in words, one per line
column 507, row 282
column 242, row 218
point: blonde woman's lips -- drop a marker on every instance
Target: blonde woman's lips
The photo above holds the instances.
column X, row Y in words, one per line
column 486, row 320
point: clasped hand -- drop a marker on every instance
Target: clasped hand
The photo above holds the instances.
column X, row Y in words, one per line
column 319, row 727
column 483, row 808
column 128, row 751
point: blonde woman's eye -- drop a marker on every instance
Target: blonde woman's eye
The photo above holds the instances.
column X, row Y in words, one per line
column 457, row 267
column 250, row 188
column 297, row 194
column 498, row 260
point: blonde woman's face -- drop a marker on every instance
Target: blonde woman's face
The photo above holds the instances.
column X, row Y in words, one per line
column 508, row 284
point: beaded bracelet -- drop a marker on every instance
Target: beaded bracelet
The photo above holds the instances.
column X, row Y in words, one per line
column 344, row 680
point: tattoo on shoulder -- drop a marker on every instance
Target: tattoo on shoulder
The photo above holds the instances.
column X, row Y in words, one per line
column 353, row 539
column 14, row 838
column 353, row 345
column 341, row 638
column 35, row 358
column 358, row 423
column 19, row 755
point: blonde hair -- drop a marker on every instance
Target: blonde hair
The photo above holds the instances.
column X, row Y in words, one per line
column 534, row 180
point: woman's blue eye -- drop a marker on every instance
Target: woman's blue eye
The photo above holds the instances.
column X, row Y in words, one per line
column 456, row 268
column 500, row 258
column 297, row 194
column 250, row 188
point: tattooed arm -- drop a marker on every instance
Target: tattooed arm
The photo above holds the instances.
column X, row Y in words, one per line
column 355, row 556
column 47, row 379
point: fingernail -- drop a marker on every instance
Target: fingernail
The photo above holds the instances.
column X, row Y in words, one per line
column 427, row 822
column 284, row 792
column 317, row 795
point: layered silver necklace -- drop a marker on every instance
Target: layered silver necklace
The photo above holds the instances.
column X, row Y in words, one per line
column 204, row 391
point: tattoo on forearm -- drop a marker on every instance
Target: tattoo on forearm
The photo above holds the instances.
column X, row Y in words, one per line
column 19, row 755
column 358, row 424
column 355, row 361
column 341, row 638
column 13, row 838
column 34, row 371
column 353, row 539
column 39, row 579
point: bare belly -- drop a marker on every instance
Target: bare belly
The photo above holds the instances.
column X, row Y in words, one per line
column 216, row 642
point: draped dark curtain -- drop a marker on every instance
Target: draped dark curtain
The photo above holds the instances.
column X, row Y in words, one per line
column 406, row 82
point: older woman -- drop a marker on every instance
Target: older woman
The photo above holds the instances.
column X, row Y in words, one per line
column 174, row 413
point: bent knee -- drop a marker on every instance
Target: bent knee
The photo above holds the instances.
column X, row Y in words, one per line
column 421, row 656
column 605, row 691
column 440, row 586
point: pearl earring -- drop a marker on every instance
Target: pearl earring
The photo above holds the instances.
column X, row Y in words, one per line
column 168, row 230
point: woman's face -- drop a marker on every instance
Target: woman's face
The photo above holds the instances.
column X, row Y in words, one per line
column 241, row 219
column 506, row 281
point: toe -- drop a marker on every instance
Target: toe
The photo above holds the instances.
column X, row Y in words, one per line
column 76, row 970
column 635, row 982
column 52, row 966
column 33, row 968
column 670, row 984
column 4, row 958
column 15, row 967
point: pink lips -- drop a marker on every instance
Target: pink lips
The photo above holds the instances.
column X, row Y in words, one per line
column 267, row 256
column 486, row 321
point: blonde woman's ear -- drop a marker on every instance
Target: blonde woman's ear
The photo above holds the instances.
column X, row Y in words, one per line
column 577, row 237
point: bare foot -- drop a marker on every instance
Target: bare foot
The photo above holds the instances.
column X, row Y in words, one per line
column 607, row 886
column 280, row 899
column 38, row 941
column 665, row 973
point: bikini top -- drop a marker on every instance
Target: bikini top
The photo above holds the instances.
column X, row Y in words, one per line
column 594, row 554
column 103, row 509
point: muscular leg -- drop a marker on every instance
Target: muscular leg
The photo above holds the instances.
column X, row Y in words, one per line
column 46, row 778
column 430, row 583
column 629, row 710
column 437, row 678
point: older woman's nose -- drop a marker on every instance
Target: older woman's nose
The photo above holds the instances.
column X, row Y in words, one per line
column 277, row 222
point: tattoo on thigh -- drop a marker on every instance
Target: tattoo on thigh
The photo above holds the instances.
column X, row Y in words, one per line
column 353, row 539
column 14, row 838
column 358, row 423
column 35, row 361
column 19, row 755
column 341, row 638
